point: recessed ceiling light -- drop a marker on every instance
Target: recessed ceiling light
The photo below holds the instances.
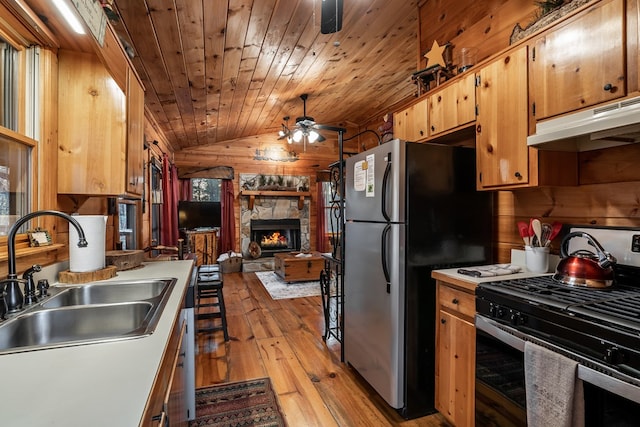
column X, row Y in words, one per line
column 69, row 16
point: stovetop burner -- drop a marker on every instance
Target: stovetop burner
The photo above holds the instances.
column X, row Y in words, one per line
column 618, row 305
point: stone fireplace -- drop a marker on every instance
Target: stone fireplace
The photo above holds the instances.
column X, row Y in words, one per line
column 271, row 206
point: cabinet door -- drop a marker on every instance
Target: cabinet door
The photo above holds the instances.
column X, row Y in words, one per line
column 411, row 123
column 455, row 369
column 452, row 106
column 582, row 63
column 501, row 123
column 135, row 134
column 91, row 126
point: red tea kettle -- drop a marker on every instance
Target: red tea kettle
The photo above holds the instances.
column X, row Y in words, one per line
column 583, row 267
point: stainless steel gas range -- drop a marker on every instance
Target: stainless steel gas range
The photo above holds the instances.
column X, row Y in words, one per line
column 597, row 328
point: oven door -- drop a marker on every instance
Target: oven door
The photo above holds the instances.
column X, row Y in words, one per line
column 500, row 387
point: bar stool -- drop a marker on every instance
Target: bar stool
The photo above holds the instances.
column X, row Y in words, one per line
column 209, row 294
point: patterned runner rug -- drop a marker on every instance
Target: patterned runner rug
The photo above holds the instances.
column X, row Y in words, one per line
column 279, row 289
column 247, row 403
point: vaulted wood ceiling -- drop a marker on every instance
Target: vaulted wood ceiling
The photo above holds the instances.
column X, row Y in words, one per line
column 218, row 70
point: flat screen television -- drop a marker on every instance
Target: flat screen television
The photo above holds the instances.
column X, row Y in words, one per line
column 193, row 215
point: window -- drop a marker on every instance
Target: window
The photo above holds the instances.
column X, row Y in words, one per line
column 8, row 85
column 205, row 189
column 15, row 179
column 127, row 226
column 19, row 130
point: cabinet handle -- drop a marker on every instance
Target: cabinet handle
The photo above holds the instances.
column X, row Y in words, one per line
column 421, row 133
column 455, row 301
column 608, row 87
column 433, row 128
column 443, row 321
column 478, row 129
column 518, row 175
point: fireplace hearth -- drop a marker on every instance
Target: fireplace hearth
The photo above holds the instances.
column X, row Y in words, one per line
column 276, row 235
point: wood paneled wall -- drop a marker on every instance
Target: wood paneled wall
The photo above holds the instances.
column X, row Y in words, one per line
column 608, row 195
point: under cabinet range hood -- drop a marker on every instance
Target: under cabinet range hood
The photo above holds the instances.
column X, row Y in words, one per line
column 606, row 126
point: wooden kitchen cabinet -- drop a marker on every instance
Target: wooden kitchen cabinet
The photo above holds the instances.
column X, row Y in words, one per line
column 455, row 354
column 167, row 404
column 91, row 127
column 502, row 121
column 452, row 106
column 579, row 63
column 503, row 158
column 411, row 123
column 135, row 134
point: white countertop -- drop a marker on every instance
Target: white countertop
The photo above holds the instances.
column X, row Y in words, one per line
column 104, row 384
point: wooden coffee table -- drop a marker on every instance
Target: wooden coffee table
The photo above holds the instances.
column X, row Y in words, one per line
column 292, row 268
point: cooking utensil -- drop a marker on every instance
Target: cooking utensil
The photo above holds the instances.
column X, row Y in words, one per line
column 537, row 231
column 584, row 268
column 523, row 229
column 555, row 229
column 546, row 232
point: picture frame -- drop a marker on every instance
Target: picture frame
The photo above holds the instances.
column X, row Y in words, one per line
column 39, row 237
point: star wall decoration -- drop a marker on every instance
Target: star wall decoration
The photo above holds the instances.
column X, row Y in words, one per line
column 435, row 55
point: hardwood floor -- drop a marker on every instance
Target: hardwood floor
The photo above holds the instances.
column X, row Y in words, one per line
column 282, row 339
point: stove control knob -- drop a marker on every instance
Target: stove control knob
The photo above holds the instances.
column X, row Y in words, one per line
column 496, row 311
column 612, row 355
column 515, row 318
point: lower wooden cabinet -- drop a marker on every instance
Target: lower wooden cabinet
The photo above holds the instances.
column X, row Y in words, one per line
column 455, row 354
column 167, row 403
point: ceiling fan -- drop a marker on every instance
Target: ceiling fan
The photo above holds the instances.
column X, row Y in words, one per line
column 304, row 130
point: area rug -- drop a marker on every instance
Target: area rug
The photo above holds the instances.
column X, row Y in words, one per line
column 279, row 289
column 247, row 403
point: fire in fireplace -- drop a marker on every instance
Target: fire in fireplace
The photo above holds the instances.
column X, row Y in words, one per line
column 276, row 235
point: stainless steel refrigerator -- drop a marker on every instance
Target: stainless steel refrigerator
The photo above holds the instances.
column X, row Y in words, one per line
column 409, row 209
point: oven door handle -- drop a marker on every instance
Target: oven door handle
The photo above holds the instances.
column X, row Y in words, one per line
column 485, row 325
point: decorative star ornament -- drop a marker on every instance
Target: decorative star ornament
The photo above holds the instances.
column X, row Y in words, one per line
column 435, row 55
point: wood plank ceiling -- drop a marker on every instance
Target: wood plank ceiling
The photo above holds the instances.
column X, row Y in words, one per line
column 216, row 70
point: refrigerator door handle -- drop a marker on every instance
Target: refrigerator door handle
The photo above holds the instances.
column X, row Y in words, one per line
column 385, row 179
column 383, row 255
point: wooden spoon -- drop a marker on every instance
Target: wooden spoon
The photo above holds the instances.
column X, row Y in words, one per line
column 537, row 230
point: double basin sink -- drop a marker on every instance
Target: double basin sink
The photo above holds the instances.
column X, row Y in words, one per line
column 87, row 314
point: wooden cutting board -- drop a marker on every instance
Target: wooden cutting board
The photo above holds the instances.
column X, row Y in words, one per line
column 89, row 276
column 126, row 259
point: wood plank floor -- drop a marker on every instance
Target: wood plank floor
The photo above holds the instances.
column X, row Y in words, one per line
column 282, row 339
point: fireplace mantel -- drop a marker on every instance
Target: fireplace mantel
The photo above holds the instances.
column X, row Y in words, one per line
column 274, row 193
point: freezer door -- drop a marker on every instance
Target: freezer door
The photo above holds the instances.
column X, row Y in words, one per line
column 375, row 184
column 374, row 307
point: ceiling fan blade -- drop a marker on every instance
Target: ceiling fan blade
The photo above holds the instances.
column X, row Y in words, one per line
column 321, row 138
column 331, row 16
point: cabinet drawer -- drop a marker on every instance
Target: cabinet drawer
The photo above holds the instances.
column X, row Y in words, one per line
column 457, row 300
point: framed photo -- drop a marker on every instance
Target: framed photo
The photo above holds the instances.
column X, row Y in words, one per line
column 39, row 237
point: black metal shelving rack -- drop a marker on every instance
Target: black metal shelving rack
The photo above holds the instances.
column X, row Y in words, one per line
column 332, row 277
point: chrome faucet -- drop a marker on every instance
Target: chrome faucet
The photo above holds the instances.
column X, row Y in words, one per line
column 13, row 297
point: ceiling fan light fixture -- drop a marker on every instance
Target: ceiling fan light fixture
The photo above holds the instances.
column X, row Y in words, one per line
column 313, row 136
column 297, row 135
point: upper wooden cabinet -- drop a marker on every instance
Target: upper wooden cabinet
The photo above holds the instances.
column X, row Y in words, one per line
column 92, row 127
column 135, row 134
column 452, row 106
column 411, row 123
column 502, row 121
column 580, row 62
column 101, row 129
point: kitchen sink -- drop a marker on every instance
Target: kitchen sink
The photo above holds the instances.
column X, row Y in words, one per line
column 110, row 293
column 80, row 324
column 88, row 314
